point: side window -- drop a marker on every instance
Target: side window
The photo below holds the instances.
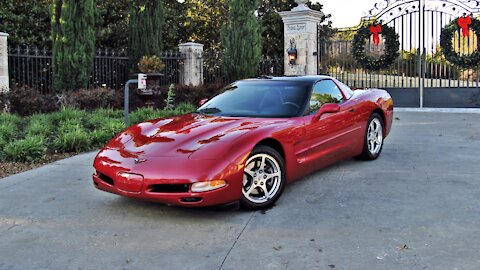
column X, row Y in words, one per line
column 325, row 91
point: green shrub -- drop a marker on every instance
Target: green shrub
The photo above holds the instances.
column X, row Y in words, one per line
column 184, row 108
column 72, row 137
column 10, row 118
column 9, row 132
column 96, row 121
column 26, row 150
column 165, row 114
column 109, row 113
column 106, row 132
column 40, row 125
column 142, row 115
column 3, row 142
column 68, row 114
column 100, row 137
column 102, row 117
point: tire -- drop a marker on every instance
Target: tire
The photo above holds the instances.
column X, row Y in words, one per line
column 260, row 189
column 373, row 141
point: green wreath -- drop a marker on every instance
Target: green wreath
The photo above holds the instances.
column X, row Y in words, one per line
column 446, row 43
column 392, row 45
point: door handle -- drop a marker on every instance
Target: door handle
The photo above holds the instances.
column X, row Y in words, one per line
column 352, row 110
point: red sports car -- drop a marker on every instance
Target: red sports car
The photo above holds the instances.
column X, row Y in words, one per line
column 246, row 143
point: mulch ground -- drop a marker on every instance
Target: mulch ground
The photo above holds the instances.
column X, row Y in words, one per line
column 11, row 168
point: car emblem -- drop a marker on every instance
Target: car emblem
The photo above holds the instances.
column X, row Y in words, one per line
column 138, row 160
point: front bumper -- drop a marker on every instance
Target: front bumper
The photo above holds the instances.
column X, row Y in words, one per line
column 169, row 182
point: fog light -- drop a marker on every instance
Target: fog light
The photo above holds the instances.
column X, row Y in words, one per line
column 208, row 185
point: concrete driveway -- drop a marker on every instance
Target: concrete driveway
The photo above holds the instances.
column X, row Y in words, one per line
column 417, row 207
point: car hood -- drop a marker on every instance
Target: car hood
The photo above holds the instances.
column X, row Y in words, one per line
column 185, row 135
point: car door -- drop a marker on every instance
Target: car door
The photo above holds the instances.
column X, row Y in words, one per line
column 328, row 136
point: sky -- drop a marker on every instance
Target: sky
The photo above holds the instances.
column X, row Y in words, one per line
column 346, row 13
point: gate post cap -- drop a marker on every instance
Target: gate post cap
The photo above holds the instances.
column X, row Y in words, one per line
column 302, row 5
column 2, row 34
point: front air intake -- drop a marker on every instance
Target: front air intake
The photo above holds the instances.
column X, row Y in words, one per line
column 169, row 188
column 105, row 178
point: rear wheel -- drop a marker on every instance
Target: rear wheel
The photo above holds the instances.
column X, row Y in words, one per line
column 263, row 178
column 373, row 143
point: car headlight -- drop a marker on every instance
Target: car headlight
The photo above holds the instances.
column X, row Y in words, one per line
column 208, row 185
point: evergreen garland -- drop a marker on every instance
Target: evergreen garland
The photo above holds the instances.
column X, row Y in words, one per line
column 145, row 36
column 446, row 43
column 241, row 39
column 392, row 45
column 73, row 34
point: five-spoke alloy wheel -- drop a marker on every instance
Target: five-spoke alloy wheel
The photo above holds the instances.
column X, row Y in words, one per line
column 263, row 178
column 373, row 138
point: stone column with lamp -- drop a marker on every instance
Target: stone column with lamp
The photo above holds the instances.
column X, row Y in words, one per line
column 192, row 72
column 300, row 36
column 4, row 84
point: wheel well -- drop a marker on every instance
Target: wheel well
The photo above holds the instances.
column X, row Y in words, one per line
column 380, row 112
column 273, row 144
column 382, row 115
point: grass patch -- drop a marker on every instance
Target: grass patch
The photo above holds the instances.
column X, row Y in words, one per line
column 34, row 138
column 25, row 150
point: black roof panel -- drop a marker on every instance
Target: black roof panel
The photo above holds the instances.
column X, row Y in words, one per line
column 309, row 79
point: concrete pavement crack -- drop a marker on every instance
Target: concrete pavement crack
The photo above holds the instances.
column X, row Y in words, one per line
column 235, row 242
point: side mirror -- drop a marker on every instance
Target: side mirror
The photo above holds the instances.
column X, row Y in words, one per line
column 202, row 102
column 327, row 108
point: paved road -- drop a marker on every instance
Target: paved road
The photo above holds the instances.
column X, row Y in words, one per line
column 417, row 207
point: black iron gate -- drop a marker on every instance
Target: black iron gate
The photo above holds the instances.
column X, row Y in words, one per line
column 417, row 72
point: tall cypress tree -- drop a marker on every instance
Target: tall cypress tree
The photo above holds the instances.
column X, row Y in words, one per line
column 146, row 23
column 73, row 33
column 241, row 39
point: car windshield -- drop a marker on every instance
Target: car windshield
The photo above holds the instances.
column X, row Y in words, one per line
column 263, row 99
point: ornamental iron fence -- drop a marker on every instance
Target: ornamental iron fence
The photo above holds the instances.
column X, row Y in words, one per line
column 32, row 66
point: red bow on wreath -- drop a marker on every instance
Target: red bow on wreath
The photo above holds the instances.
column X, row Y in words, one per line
column 464, row 23
column 376, row 30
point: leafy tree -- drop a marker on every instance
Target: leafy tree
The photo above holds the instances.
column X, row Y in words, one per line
column 27, row 22
column 146, row 23
column 204, row 20
column 272, row 25
column 174, row 29
column 112, row 24
column 73, row 32
column 241, row 38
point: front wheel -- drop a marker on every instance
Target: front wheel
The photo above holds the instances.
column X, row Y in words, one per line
column 373, row 143
column 263, row 178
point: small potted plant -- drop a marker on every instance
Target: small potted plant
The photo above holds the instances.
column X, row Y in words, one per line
column 152, row 66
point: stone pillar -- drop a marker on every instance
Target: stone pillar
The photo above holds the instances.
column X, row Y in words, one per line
column 4, row 85
column 192, row 72
column 301, row 25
